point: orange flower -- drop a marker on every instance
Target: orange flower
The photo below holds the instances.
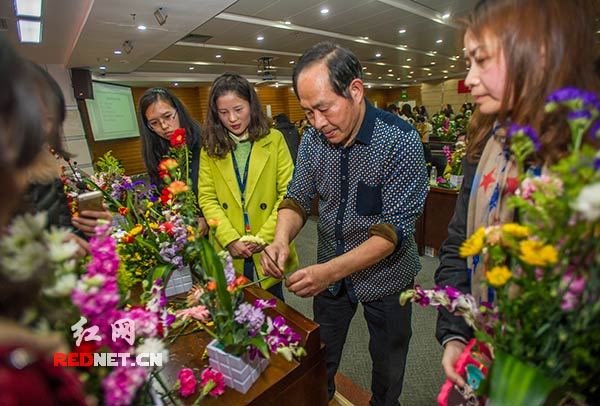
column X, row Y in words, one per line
column 177, row 187
column 212, row 285
column 212, row 222
column 168, row 164
column 123, row 211
column 127, row 239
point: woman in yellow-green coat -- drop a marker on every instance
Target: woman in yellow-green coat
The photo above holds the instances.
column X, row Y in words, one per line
column 244, row 169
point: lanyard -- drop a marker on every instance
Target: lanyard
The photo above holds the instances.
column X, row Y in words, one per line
column 242, row 184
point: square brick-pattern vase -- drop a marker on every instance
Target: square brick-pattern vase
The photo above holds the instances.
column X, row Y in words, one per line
column 239, row 372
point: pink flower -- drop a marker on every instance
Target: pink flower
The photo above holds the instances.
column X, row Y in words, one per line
column 187, row 382
column 122, row 384
column 196, row 312
column 212, row 382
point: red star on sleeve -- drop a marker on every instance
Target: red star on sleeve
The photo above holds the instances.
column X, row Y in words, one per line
column 511, row 185
column 487, row 180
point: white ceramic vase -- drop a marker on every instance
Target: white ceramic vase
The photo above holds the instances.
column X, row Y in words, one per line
column 239, row 372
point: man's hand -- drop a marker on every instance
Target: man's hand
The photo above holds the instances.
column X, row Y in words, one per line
column 452, row 352
column 238, row 249
column 278, row 254
column 309, row 281
column 88, row 220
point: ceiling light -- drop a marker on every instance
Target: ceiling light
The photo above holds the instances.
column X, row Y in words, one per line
column 439, row 41
column 117, row 52
column 287, row 22
column 218, row 56
column 324, row 10
column 402, row 31
column 260, row 38
column 446, row 16
column 29, row 31
column 368, row 86
column 408, row 59
column 445, row 77
column 191, row 68
column 452, row 66
column 390, row 70
column 432, row 63
column 368, row 73
column 292, row 62
column 378, row 55
column 176, row 84
column 411, row 72
column 142, row 27
column 364, row 67
column 28, row 8
column 390, row 75
column 276, row 84
column 102, row 67
column 398, row 78
column 429, row 74
column 379, row 77
column 406, row 66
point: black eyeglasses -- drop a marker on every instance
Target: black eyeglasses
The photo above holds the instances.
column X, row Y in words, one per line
column 165, row 118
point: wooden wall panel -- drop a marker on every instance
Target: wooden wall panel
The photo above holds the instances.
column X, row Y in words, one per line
column 274, row 96
column 295, row 111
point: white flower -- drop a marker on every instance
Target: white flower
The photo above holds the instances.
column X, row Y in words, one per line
column 588, row 202
column 20, row 266
column 62, row 287
column 253, row 239
column 59, row 249
column 153, row 346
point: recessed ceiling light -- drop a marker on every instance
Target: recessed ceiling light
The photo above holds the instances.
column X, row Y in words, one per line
column 406, row 66
column 444, row 71
column 429, row 74
column 324, row 10
column 434, row 52
column 402, row 31
column 390, row 70
column 260, row 38
column 426, row 69
column 142, row 27
column 364, row 67
column 117, row 52
column 446, row 16
column 369, row 86
column 439, row 41
column 445, row 77
column 102, row 67
column 276, row 84
column 452, row 66
column 29, row 8
column 176, row 84
column 218, row 55
column 365, row 38
column 379, row 77
column 287, row 22
column 29, row 31
column 432, row 63
column 408, row 59
column 191, row 68
column 411, row 72
column 292, row 61
column 378, row 55
column 390, row 75
column 409, row 76
column 398, row 78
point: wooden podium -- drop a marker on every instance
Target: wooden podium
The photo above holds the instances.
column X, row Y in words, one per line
column 290, row 383
column 431, row 230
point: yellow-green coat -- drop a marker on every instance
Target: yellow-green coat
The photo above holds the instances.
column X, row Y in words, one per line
column 269, row 172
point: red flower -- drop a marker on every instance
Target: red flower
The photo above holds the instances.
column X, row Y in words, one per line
column 123, row 211
column 178, row 137
column 212, row 382
column 166, row 196
column 167, row 227
column 187, row 382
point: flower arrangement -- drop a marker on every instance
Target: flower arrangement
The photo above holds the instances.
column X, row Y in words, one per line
column 451, row 178
column 443, row 127
column 544, row 272
column 238, row 326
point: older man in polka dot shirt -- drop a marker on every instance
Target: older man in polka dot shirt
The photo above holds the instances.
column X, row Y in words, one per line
column 368, row 169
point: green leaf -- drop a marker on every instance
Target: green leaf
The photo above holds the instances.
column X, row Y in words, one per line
column 512, row 382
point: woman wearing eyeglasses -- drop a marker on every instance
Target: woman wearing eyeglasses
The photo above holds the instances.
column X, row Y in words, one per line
column 161, row 113
column 245, row 168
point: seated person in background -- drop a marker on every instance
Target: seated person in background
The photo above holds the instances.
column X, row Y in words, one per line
column 27, row 374
column 290, row 133
column 392, row 108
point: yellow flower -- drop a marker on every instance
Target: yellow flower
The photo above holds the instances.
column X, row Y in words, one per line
column 535, row 253
column 136, row 230
column 474, row 244
column 516, row 230
column 498, row 276
column 153, row 226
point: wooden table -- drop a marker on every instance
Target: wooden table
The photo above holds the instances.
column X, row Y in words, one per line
column 290, row 383
column 431, row 230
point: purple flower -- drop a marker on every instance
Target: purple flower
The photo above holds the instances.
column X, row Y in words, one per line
column 568, row 94
column 265, row 304
column 515, row 130
column 578, row 114
column 595, row 130
column 453, row 293
column 246, row 313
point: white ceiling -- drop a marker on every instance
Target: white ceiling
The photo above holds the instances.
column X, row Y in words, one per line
column 85, row 33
